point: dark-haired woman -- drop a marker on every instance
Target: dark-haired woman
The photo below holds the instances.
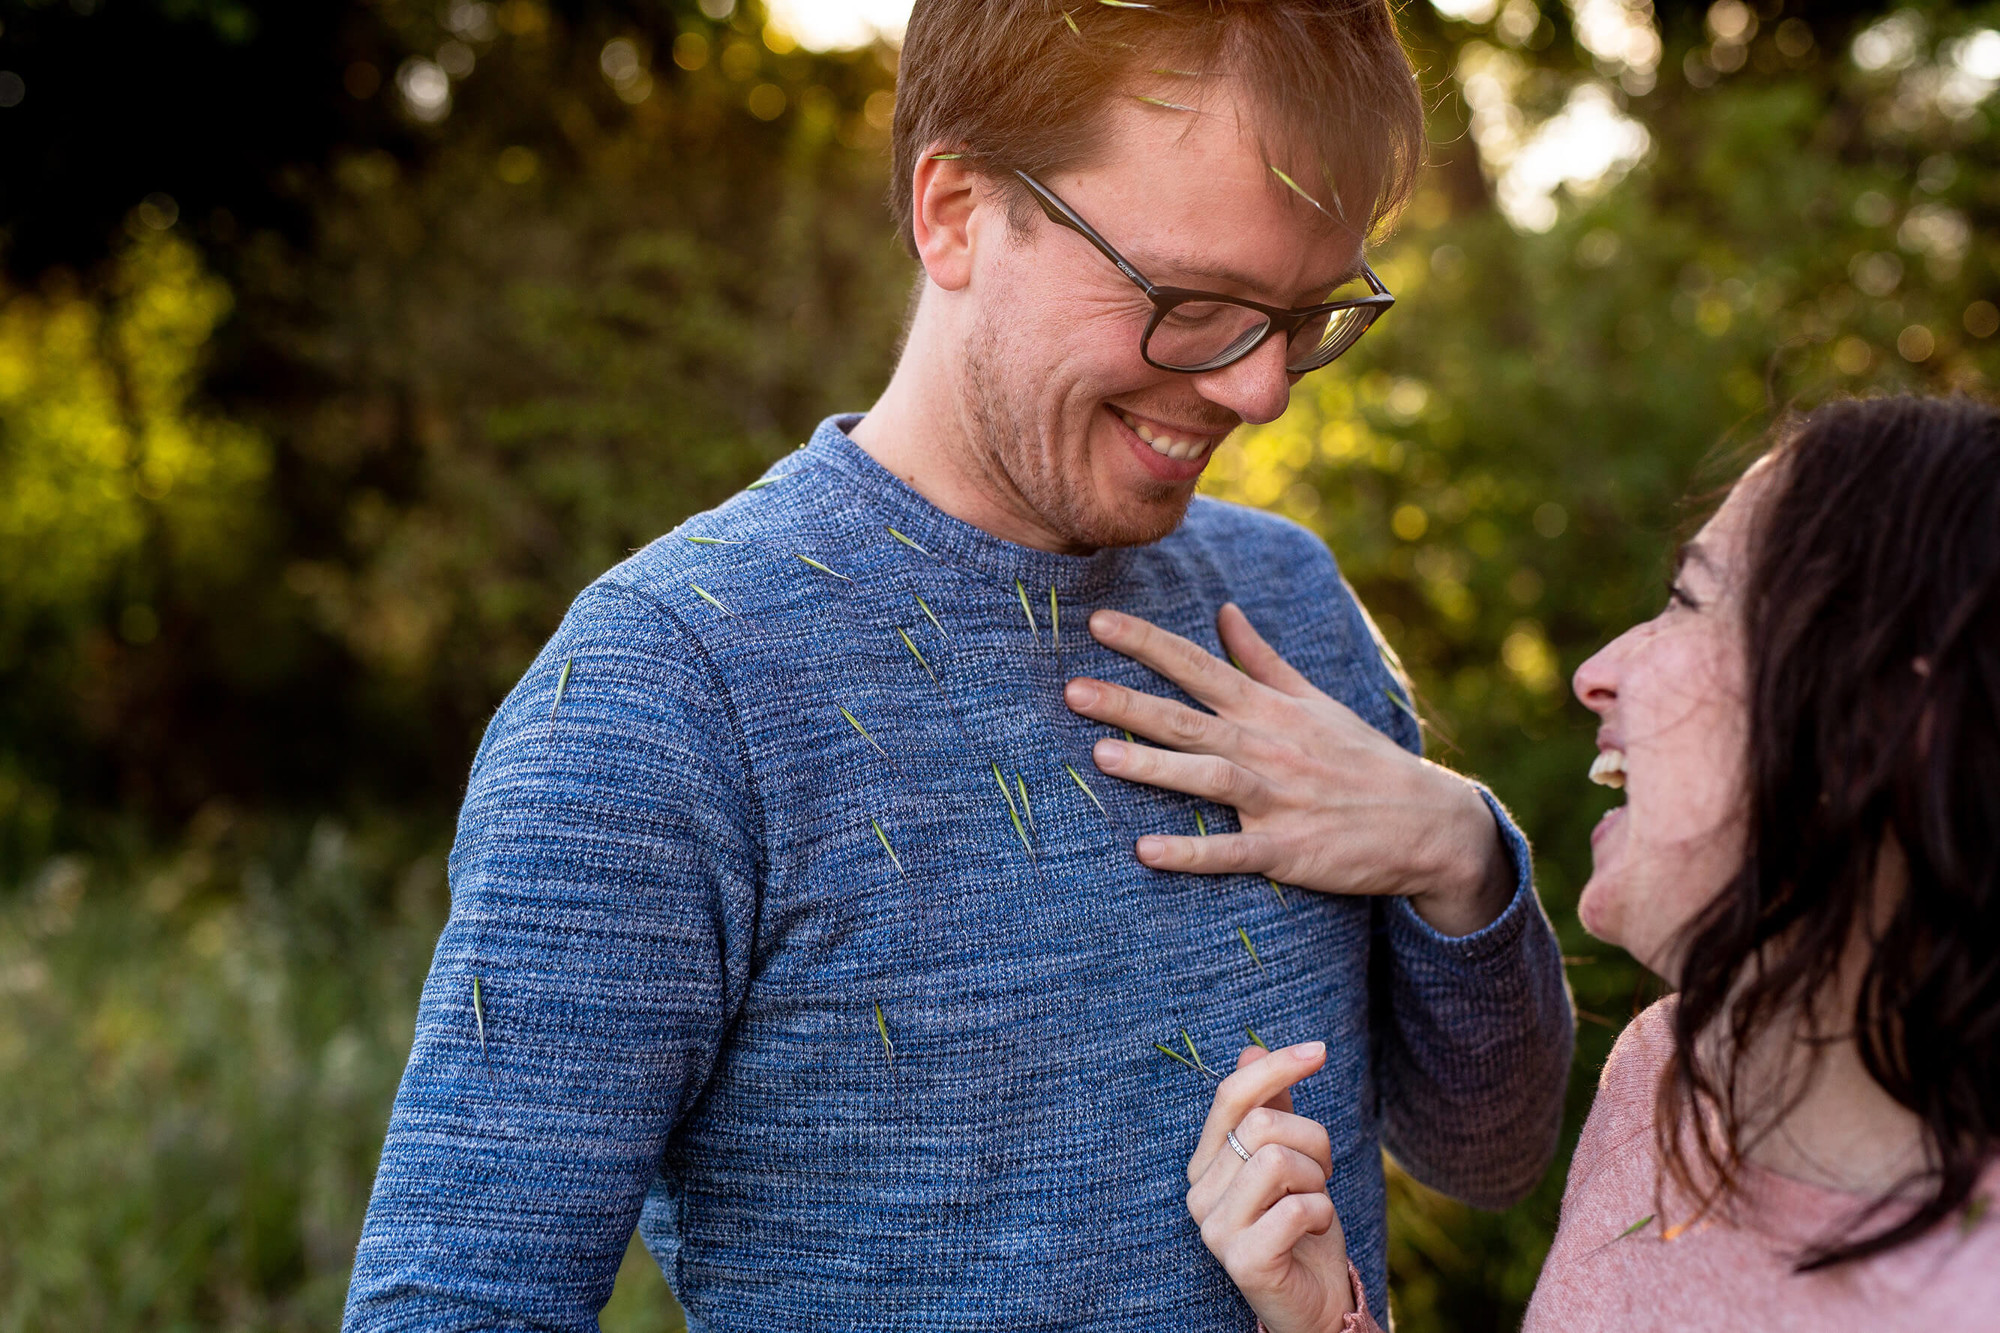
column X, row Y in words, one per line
column 1808, row 737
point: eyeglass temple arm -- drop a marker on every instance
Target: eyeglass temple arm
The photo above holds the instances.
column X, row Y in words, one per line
column 1063, row 216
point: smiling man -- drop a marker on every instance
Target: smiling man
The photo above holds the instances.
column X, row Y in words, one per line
column 807, row 913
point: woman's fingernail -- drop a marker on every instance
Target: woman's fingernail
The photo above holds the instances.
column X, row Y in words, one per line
column 1151, row 848
column 1306, row 1050
column 1080, row 693
column 1103, row 623
column 1108, row 754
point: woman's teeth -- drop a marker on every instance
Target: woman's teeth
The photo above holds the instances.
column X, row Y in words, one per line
column 1168, row 445
column 1609, row 769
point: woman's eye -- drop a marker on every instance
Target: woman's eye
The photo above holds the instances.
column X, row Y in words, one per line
column 1678, row 596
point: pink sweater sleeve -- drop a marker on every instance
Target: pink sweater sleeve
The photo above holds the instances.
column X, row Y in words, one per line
column 1357, row 1320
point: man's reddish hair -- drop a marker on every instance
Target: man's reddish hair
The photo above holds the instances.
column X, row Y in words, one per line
column 1025, row 84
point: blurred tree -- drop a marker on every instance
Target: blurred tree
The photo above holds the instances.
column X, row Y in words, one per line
column 515, row 288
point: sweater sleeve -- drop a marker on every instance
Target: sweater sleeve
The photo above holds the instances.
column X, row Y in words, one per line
column 603, row 886
column 1475, row 1035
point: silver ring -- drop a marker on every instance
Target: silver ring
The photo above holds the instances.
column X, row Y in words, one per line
column 1237, row 1144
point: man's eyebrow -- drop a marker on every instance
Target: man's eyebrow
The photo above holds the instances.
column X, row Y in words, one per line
column 1201, row 270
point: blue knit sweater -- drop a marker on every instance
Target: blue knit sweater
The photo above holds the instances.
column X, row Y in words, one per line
column 792, row 923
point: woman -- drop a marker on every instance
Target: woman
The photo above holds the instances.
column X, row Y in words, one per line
column 1808, row 737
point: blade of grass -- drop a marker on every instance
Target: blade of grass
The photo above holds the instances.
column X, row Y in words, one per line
column 852, row 721
column 562, row 683
column 1298, row 190
column 1637, row 1226
column 1055, row 622
column 905, row 636
column 1013, row 813
column 1027, row 610
column 892, row 532
column 1398, row 700
column 479, row 1018
column 762, row 482
column 1279, row 891
column 1123, row 4
column 708, row 541
column 1027, row 809
column 1077, row 778
column 930, row 615
column 945, row 157
column 1130, row 739
column 1200, row 824
column 1244, row 935
column 1178, row 1058
column 1255, row 1040
column 1976, row 1209
column 821, row 568
column 1072, row 23
column 884, row 839
column 1199, row 1063
column 1160, row 102
column 882, row 1026
column 709, row 597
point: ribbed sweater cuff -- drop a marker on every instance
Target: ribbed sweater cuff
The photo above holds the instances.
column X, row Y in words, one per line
column 1410, row 931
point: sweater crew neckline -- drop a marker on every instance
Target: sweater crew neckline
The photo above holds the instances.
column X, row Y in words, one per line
column 894, row 504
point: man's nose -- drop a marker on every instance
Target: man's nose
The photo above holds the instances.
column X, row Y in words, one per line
column 1257, row 388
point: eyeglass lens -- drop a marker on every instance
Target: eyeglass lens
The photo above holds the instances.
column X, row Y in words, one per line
column 1206, row 335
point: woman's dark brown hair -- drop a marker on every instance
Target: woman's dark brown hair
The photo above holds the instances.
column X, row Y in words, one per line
column 1872, row 620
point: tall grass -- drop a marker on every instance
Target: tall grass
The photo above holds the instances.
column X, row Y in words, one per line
column 198, row 1051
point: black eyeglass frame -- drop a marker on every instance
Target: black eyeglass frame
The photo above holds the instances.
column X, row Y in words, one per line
column 1164, row 299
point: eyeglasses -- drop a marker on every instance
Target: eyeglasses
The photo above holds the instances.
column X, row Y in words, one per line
column 1195, row 331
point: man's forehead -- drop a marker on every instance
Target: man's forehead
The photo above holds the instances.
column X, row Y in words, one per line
column 1202, row 193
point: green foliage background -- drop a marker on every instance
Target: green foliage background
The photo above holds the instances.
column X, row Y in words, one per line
column 304, row 448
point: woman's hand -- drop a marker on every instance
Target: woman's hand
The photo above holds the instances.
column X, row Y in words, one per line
column 1269, row 1220
column 1326, row 801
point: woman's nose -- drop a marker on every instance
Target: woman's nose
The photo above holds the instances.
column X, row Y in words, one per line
column 1596, row 681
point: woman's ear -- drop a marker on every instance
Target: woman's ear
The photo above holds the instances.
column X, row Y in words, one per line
column 945, row 194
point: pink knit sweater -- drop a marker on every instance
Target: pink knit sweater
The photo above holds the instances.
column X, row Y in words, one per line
column 1606, row 1272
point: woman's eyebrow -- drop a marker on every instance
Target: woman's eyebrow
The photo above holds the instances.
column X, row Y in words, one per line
column 1693, row 552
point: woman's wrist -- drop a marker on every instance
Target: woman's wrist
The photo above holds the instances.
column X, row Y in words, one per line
column 1357, row 1320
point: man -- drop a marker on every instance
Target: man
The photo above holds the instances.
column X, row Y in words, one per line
column 792, row 920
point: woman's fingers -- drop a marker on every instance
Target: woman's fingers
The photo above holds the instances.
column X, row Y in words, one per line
column 1258, row 1082
column 1260, row 660
column 1264, row 1130
column 1201, row 673
column 1262, row 1250
column 1271, row 1174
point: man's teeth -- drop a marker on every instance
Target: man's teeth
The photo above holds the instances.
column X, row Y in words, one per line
column 1609, row 769
column 1166, row 444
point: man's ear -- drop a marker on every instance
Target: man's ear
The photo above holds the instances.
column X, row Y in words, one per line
column 944, row 196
